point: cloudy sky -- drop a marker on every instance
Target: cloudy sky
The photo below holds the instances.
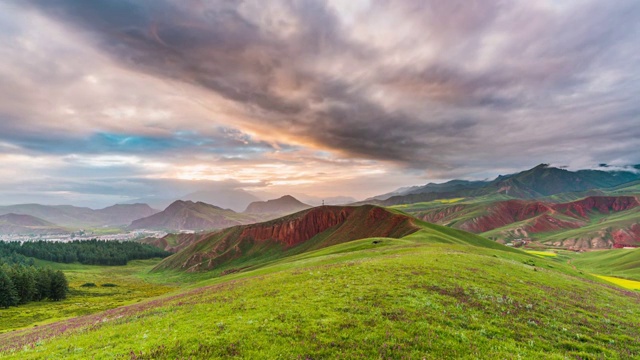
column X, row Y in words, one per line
column 105, row 101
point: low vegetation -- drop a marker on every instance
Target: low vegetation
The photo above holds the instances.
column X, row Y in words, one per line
column 430, row 295
column 425, row 292
column 115, row 286
column 622, row 263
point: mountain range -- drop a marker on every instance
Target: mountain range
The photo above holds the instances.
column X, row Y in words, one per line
column 595, row 222
column 27, row 224
column 540, row 181
column 234, row 199
column 80, row 217
column 303, row 231
column 197, row 216
column 189, row 215
column 359, row 271
column 469, row 205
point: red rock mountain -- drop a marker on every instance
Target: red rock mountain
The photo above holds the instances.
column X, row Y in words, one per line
column 601, row 204
column 479, row 218
column 310, row 229
column 524, row 219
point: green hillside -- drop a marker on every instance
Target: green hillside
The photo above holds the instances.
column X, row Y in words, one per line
column 541, row 182
column 437, row 293
column 598, row 229
column 242, row 247
column 626, row 189
column 618, row 262
column 593, row 222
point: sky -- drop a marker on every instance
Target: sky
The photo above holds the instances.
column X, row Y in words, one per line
column 108, row 101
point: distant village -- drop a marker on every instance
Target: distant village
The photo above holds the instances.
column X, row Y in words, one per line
column 82, row 235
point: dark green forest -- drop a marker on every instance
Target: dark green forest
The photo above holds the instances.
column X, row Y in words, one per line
column 20, row 284
column 87, row 252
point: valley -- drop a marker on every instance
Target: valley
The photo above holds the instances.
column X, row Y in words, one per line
column 305, row 285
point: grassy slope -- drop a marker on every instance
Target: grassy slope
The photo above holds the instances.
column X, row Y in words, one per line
column 625, row 283
column 597, row 224
column 507, row 231
column 476, row 207
column 618, row 262
column 130, row 288
column 442, row 203
column 240, row 254
column 471, row 208
column 429, row 295
column 626, row 189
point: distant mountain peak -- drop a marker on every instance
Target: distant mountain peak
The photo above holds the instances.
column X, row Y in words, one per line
column 22, row 224
column 23, row 219
column 286, row 204
column 78, row 217
column 539, row 181
column 189, row 215
column 234, row 199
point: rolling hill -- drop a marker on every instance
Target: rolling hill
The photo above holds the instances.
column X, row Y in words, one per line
column 618, row 262
column 435, row 293
column 310, row 229
column 27, row 224
column 453, row 186
column 187, row 215
column 591, row 222
column 174, row 242
column 80, row 217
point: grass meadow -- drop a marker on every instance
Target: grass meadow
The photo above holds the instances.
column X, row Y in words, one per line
column 412, row 298
column 125, row 285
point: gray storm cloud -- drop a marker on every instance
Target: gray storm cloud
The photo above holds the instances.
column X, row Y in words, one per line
column 438, row 74
column 451, row 87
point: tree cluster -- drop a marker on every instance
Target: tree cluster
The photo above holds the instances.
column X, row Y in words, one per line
column 88, row 252
column 20, row 284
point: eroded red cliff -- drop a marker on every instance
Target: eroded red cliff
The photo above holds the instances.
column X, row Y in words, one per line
column 601, row 204
column 336, row 224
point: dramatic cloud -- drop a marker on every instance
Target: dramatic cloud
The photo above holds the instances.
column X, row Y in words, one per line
column 321, row 95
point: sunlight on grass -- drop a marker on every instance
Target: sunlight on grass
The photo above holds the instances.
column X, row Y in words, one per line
column 427, row 203
column 450, row 201
column 627, row 284
column 390, row 299
column 542, row 253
